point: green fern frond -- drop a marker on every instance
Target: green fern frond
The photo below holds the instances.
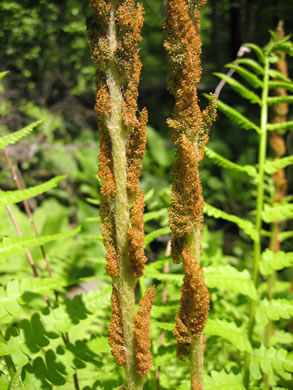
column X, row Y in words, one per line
column 283, row 236
column 275, row 74
column 239, row 88
column 272, row 166
column 280, row 126
column 154, row 215
column 99, row 345
column 158, row 311
column 220, row 380
column 281, row 84
column 254, row 65
column 277, row 212
column 229, row 278
column 247, row 226
column 280, row 99
column 275, row 261
column 235, row 116
column 11, row 245
column 274, row 310
column 11, row 139
column 281, row 337
column 3, row 74
column 10, row 197
column 225, row 163
column 156, row 233
column 163, row 325
column 230, row 332
column 175, row 279
column 258, row 51
column 250, row 77
column 270, row 361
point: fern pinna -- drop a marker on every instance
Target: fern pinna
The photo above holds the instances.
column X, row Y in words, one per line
column 272, row 207
column 189, row 132
column 114, row 35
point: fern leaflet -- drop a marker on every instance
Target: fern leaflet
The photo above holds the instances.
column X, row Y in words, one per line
column 222, row 381
column 274, row 310
column 272, row 166
column 247, row 226
column 277, row 212
column 281, row 84
column 11, row 139
column 250, row 77
column 10, row 197
column 239, row 88
column 225, row 163
column 270, row 361
column 275, row 261
column 258, row 51
column 230, row 332
column 235, row 116
column 252, row 64
column 280, row 126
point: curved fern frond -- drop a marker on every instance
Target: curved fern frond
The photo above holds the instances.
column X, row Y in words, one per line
column 229, row 278
column 272, row 166
column 252, row 64
column 250, row 77
column 230, row 332
column 270, row 361
column 281, row 84
column 10, row 197
column 277, row 212
column 280, row 126
column 280, row 99
column 247, row 226
column 220, row 380
column 274, row 310
column 239, row 88
column 258, row 51
column 225, row 163
column 275, row 261
column 235, row 116
column 11, row 245
column 11, row 139
column 275, row 74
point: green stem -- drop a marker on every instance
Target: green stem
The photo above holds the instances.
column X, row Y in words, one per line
column 196, row 348
column 259, row 209
column 124, row 283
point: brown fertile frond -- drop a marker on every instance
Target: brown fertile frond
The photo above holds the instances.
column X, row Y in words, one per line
column 135, row 152
column 195, row 300
column 142, row 332
column 115, row 331
column 136, row 238
column 195, row 385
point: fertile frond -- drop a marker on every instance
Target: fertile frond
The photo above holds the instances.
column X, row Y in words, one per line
column 225, row 163
column 239, row 88
column 272, row 166
column 10, row 197
column 270, row 361
column 247, row 226
column 11, row 139
column 274, row 310
column 275, row 261
column 250, row 77
column 277, row 212
column 230, row 332
column 235, row 116
column 220, row 380
column 229, row 278
column 11, row 245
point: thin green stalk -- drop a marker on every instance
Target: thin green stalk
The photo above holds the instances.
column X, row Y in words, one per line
column 259, row 209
